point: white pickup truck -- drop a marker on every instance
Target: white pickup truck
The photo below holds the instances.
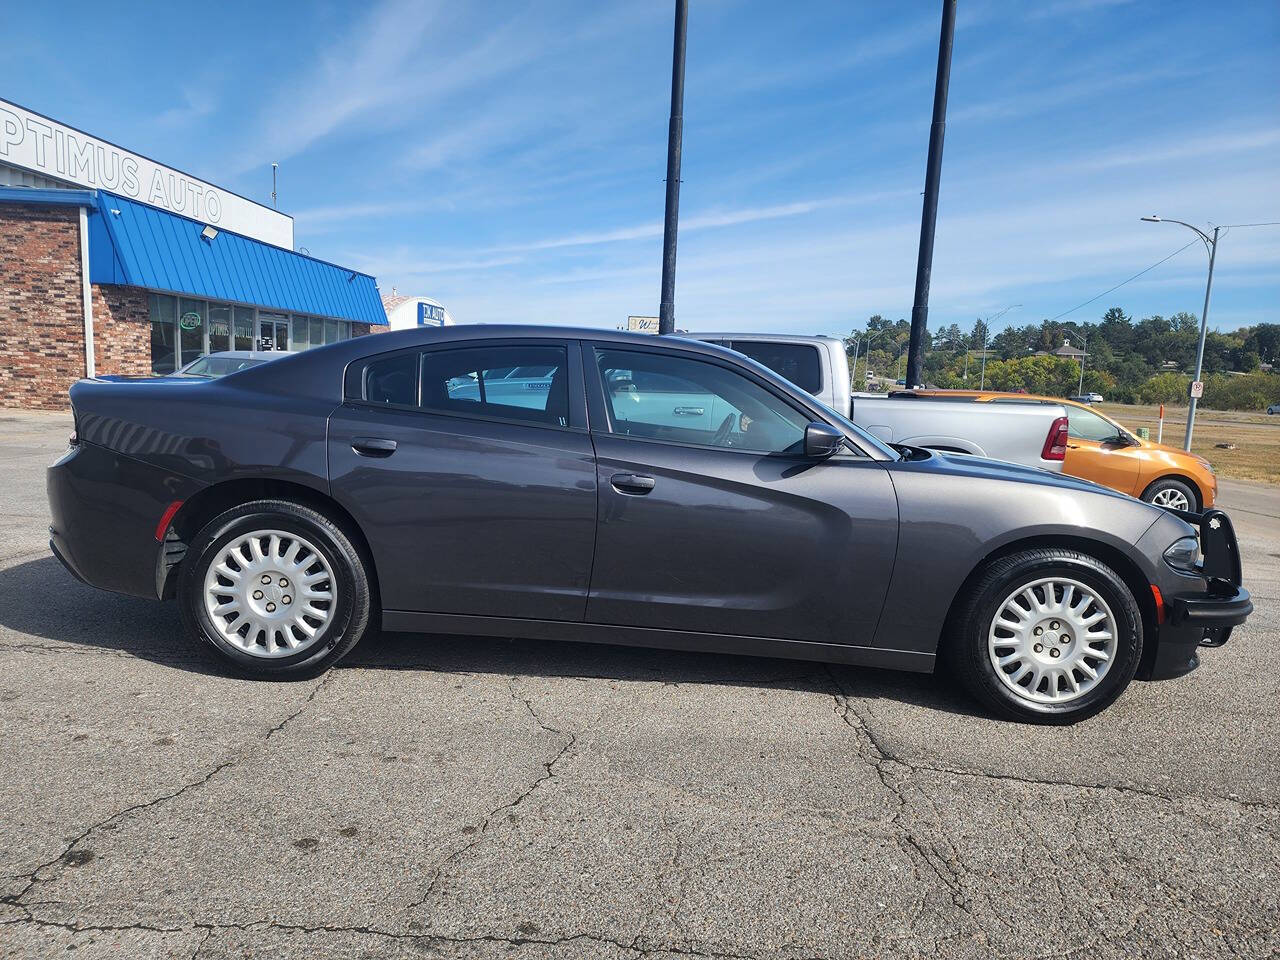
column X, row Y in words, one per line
column 1030, row 434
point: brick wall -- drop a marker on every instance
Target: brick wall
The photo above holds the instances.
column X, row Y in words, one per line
column 121, row 330
column 360, row 329
column 41, row 315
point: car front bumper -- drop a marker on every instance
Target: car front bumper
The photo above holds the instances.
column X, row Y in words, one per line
column 1204, row 618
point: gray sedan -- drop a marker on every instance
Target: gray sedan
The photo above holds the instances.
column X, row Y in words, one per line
column 617, row 488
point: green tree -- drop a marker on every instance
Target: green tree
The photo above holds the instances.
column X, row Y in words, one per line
column 1164, row 388
column 980, row 334
column 1264, row 340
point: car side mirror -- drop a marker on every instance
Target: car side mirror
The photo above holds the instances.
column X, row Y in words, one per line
column 821, row 440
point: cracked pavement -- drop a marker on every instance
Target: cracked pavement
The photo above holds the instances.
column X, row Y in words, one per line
column 466, row 797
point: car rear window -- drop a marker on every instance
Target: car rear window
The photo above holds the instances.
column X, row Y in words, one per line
column 798, row 362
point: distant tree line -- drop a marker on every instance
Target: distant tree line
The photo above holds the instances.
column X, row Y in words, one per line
column 1147, row 361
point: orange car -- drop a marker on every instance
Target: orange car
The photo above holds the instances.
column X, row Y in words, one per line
column 1102, row 450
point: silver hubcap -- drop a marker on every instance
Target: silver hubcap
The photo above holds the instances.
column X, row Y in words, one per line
column 1052, row 640
column 270, row 593
column 1171, row 497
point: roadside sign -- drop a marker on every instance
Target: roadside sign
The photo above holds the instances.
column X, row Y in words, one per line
column 1197, row 389
column 642, row 324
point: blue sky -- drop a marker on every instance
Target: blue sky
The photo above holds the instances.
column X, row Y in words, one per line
column 507, row 158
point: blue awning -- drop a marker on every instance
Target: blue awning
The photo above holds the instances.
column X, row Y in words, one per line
column 135, row 245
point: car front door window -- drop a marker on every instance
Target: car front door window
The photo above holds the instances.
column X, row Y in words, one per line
column 1083, row 425
column 678, row 399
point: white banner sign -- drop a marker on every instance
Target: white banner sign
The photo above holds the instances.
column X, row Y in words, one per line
column 36, row 143
column 642, row 324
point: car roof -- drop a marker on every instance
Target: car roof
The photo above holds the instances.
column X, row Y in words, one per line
column 993, row 395
column 747, row 335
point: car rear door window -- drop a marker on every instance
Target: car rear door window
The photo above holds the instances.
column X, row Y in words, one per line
column 521, row 383
column 668, row 397
column 797, row 362
column 392, row 379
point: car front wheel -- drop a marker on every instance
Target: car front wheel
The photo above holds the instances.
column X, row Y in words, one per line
column 278, row 589
column 1171, row 493
column 1047, row 636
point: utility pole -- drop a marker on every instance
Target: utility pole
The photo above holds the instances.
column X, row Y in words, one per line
column 675, row 137
column 274, row 167
column 929, row 216
column 1211, row 245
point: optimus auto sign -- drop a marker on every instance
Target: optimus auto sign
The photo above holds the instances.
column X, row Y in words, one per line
column 36, row 143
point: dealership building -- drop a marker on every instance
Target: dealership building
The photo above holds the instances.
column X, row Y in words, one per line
column 111, row 263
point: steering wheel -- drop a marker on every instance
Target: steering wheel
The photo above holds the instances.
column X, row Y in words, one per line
column 723, row 433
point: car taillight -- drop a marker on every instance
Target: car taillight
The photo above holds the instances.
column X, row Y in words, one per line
column 1055, row 444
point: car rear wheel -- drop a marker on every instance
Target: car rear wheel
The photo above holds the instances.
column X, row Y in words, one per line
column 1046, row 636
column 1171, row 493
column 276, row 588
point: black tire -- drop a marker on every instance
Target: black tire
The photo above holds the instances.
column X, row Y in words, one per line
column 1169, row 483
column 349, row 618
column 965, row 648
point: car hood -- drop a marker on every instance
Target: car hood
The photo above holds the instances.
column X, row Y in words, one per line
column 959, row 464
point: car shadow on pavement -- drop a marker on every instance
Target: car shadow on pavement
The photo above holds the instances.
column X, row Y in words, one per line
column 43, row 606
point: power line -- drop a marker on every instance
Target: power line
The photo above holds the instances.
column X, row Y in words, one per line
column 1269, row 223
column 1123, row 282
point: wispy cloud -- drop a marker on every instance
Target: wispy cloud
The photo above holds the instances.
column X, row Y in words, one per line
column 197, row 103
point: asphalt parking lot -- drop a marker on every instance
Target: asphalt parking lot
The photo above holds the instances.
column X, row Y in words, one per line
column 438, row 796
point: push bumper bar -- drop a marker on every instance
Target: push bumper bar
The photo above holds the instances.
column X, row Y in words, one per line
column 1204, row 619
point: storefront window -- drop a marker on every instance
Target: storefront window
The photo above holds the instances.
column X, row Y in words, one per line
column 191, row 320
column 183, row 328
column 163, row 317
column 219, row 327
column 244, row 328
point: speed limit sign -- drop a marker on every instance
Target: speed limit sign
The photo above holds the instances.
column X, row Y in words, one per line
column 1197, row 389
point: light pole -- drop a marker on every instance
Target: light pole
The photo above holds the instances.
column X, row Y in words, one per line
column 1084, row 353
column 986, row 329
column 857, row 342
column 675, row 139
column 1211, row 245
column 983, row 384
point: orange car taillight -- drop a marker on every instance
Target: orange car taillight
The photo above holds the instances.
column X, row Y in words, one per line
column 1055, row 444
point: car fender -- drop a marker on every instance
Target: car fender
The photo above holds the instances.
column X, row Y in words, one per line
column 951, row 522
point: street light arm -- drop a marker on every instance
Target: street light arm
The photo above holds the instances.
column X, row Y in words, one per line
column 1200, row 233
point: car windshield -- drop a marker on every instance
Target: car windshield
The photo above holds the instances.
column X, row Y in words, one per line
column 212, row 367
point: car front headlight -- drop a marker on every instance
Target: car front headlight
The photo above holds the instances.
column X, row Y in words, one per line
column 1183, row 554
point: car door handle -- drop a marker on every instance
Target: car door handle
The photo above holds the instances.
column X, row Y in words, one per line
column 373, row 446
column 689, row 411
column 632, row 483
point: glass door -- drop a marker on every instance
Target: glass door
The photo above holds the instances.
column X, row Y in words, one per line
column 273, row 331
